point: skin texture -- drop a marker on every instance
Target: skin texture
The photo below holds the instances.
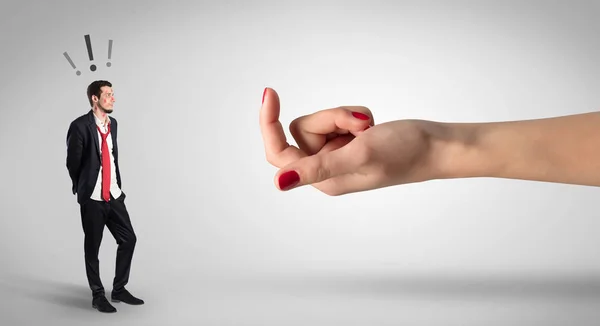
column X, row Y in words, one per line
column 336, row 155
column 564, row 149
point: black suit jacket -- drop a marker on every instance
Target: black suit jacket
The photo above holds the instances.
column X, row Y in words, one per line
column 83, row 154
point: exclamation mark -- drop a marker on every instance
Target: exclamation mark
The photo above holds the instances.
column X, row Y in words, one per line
column 109, row 52
column 72, row 64
column 88, row 44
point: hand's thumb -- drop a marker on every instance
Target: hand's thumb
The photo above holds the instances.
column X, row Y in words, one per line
column 314, row 169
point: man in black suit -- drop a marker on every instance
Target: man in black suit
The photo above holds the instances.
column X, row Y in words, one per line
column 93, row 165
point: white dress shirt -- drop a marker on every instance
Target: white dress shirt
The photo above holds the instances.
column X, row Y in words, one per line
column 114, row 187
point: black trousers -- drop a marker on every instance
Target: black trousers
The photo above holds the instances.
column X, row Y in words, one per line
column 95, row 215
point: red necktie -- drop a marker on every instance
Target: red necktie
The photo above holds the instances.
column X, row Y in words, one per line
column 105, row 165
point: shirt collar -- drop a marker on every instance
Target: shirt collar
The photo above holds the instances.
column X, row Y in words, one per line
column 100, row 122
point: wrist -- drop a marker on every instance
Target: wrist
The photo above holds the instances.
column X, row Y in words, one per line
column 457, row 151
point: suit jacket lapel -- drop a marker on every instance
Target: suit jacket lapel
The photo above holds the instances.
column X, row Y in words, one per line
column 113, row 136
column 94, row 132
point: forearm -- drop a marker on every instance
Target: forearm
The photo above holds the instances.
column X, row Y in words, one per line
column 562, row 149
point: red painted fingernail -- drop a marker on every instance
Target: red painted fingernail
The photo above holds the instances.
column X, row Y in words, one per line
column 264, row 93
column 360, row 116
column 288, row 179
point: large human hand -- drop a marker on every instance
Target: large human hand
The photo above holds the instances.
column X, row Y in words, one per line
column 338, row 153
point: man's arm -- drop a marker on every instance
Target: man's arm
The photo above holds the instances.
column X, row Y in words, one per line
column 74, row 153
column 563, row 149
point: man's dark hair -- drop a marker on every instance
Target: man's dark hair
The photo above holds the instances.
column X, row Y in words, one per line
column 95, row 89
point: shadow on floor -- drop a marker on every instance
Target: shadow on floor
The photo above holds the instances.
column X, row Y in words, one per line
column 421, row 286
column 50, row 291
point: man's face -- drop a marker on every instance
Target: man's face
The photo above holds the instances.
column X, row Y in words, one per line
column 106, row 99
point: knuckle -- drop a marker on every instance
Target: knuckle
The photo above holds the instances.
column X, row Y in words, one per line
column 340, row 110
column 316, row 169
column 296, row 125
column 293, row 126
column 322, row 173
column 270, row 158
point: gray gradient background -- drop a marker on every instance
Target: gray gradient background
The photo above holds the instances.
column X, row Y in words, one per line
column 218, row 245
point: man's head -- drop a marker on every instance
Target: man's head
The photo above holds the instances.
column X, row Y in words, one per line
column 100, row 95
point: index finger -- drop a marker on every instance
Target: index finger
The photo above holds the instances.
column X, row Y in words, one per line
column 277, row 149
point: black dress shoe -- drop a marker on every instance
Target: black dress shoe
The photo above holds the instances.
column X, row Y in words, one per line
column 102, row 305
column 126, row 297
